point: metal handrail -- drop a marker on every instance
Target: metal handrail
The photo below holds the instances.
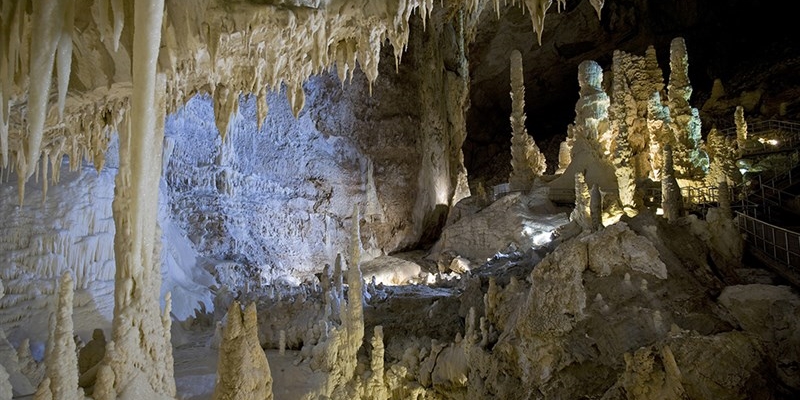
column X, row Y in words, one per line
column 782, row 245
column 769, row 125
column 782, row 175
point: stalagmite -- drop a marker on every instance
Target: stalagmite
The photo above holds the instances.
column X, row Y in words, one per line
column 723, row 152
column 62, row 361
column 143, row 352
column 354, row 322
column 582, row 213
column 375, row 386
column 626, row 176
column 671, row 201
column 589, row 138
column 596, row 208
column 527, row 161
column 741, row 128
column 243, row 371
column 691, row 161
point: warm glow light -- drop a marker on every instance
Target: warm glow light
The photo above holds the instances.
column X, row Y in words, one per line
column 659, row 211
column 611, row 218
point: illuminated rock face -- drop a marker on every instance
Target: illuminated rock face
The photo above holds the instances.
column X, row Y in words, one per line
column 292, row 184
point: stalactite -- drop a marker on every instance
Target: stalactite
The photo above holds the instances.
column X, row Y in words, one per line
column 48, row 19
column 64, row 54
column 118, row 10
column 598, row 7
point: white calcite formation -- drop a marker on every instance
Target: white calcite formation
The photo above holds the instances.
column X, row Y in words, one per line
column 692, row 160
column 588, row 139
column 741, row 128
column 61, row 359
column 527, row 161
column 242, row 370
column 37, row 248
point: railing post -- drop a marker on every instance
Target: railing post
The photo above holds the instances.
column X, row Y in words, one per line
column 786, row 241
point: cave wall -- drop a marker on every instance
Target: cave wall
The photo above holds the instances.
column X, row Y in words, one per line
column 278, row 198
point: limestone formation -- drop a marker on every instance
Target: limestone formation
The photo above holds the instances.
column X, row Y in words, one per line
column 722, row 150
column 692, row 161
column 741, row 128
column 626, row 176
column 582, row 214
column 527, row 161
column 353, row 319
column 596, row 208
column 661, row 133
column 671, row 200
column 243, row 370
column 375, row 386
column 61, row 359
column 589, row 138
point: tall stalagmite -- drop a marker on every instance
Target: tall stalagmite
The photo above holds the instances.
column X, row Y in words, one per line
column 243, row 371
column 691, row 161
column 741, row 128
column 142, row 357
column 671, row 201
column 527, row 162
column 354, row 323
column 61, row 361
